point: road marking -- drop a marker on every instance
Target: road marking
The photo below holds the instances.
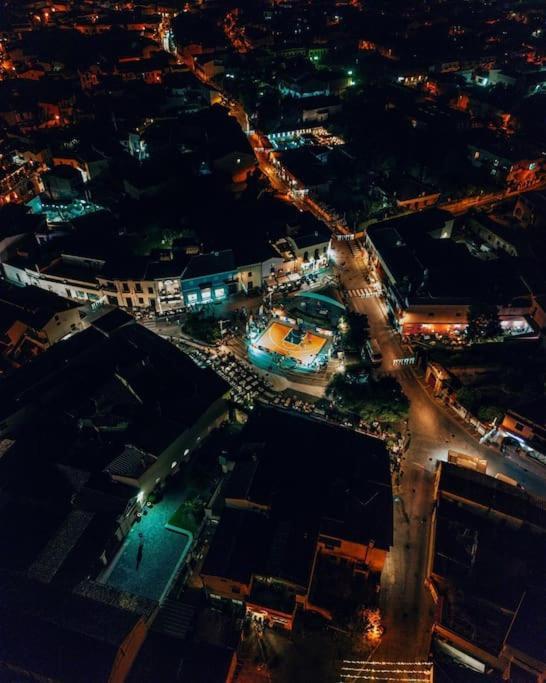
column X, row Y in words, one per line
column 363, row 293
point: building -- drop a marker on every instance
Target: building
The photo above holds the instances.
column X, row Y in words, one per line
column 32, row 320
column 530, row 209
column 486, row 563
column 209, row 278
column 287, row 503
column 117, row 378
column 495, row 234
column 430, row 281
column 302, row 253
column 517, row 163
column 54, row 635
column 524, row 430
column 125, row 283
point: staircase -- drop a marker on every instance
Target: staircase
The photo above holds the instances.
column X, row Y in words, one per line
column 174, row 618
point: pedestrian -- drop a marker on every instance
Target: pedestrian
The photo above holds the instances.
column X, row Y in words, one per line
column 140, row 552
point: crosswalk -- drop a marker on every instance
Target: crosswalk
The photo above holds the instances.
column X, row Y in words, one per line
column 363, row 292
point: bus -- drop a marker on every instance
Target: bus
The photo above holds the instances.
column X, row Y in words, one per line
column 373, row 351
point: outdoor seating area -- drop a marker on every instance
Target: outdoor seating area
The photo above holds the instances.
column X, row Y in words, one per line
column 246, row 383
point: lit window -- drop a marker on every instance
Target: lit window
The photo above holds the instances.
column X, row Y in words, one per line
column 219, row 293
column 191, row 298
column 206, row 295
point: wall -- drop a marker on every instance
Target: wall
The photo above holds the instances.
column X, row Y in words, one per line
column 127, row 653
column 374, row 557
column 63, row 323
column 225, row 588
column 188, row 440
column 125, row 293
column 250, row 276
column 525, row 431
column 194, row 289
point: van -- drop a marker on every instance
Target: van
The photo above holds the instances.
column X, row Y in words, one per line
column 373, row 351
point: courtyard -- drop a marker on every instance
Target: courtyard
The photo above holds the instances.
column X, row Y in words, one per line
column 162, row 553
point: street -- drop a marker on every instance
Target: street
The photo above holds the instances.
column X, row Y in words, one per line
column 405, row 603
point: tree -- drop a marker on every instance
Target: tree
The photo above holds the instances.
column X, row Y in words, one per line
column 381, row 400
column 198, row 326
column 469, row 398
column 357, row 332
column 483, row 322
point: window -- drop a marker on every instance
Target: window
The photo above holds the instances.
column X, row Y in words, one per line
column 150, row 290
column 112, row 300
column 317, row 254
column 219, row 292
column 125, row 287
column 249, row 274
column 306, row 256
column 206, row 295
column 191, row 298
column 519, row 426
column 141, row 300
column 431, row 315
column 138, row 287
column 128, row 303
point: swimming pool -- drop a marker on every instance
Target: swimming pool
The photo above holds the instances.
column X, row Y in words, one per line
column 163, row 553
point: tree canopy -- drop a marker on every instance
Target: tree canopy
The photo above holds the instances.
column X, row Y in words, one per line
column 381, row 399
column 483, row 322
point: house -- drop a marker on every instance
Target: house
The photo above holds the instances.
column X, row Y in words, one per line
column 32, row 320
column 303, row 251
column 286, row 503
column 125, row 283
column 55, row 635
column 524, row 430
column 319, row 108
column 485, row 563
column 516, row 162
